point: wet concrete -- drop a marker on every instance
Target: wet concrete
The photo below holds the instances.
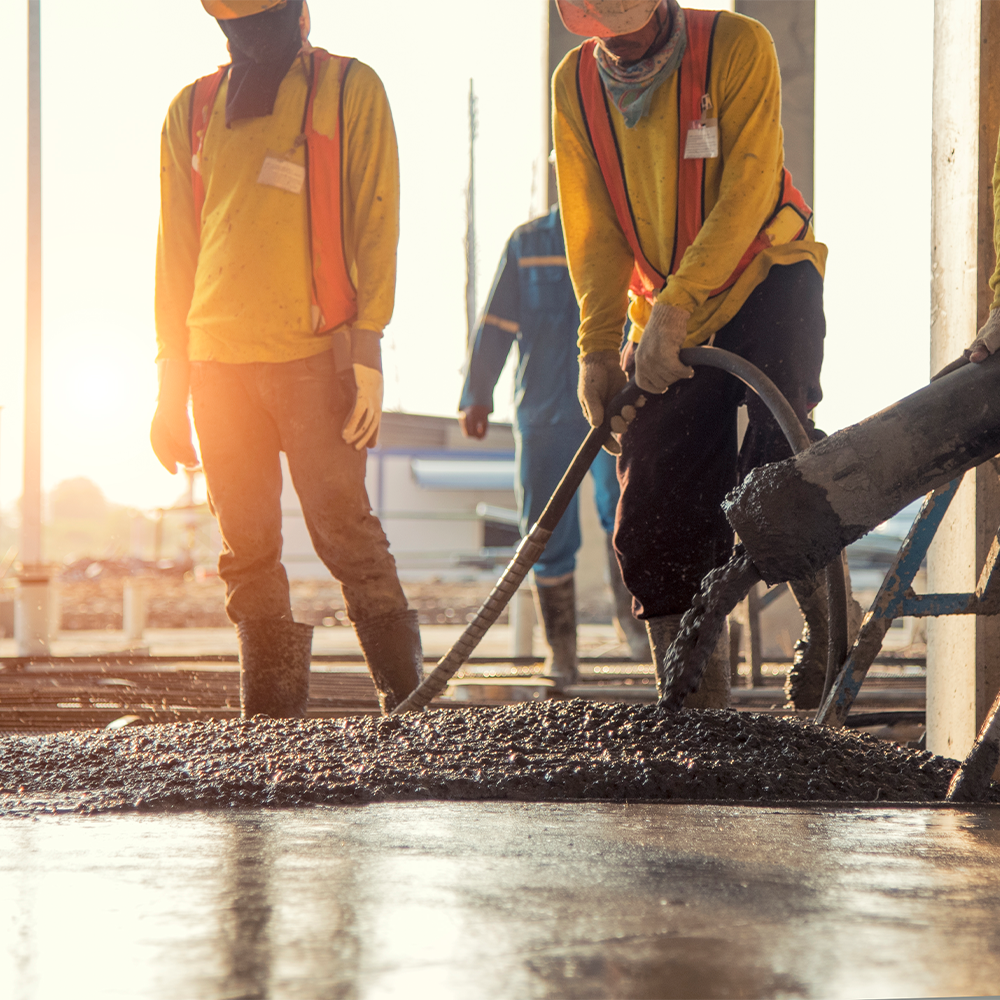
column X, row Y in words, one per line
column 795, row 516
column 503, row 900
column 568, row 750
column 701, row 625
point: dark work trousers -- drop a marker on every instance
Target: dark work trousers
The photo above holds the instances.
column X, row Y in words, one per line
column 679, row 456
column 245, row 414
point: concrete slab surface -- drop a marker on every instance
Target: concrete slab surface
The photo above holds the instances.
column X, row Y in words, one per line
column 503, row 900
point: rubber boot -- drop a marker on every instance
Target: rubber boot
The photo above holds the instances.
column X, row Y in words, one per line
column 395, row 657
column 627, row 626
column 557, row 610
column 715, row 685
column 275, row 655
column 807, row 675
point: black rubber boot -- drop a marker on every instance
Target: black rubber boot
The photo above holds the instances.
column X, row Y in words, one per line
column 807, row 675
column 391, row 644
column 275, row 656
column 714, row 691
column 557, row 609
column 628, row 627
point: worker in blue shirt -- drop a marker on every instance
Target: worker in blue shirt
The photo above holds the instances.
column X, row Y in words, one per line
column 532, row 302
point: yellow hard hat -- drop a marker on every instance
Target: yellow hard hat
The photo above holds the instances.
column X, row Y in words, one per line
column 605, row 18
column 228, row 10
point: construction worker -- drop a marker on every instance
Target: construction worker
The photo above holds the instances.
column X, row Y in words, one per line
column 679, row 215
column 532, row 303
column 275, row 277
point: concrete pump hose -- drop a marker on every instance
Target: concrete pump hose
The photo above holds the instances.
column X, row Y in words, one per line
column 531, row 547
column 798, row 440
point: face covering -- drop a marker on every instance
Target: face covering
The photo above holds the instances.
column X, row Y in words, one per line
column 631, row 86
column 263, row 47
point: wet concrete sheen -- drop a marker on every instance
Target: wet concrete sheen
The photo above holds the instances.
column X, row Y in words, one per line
column 503, row 900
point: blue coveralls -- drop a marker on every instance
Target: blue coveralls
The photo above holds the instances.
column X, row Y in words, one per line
column 532, row 301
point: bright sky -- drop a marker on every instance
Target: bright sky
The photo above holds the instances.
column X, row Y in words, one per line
column 110, row 70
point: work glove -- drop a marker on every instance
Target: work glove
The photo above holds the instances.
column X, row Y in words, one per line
column 474, row 421
column 987, row 340
column 361, row 427
column 170, row 432
column 657, row 358
column 601, row 379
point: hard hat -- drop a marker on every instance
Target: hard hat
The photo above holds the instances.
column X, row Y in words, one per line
column 228, row 10
column 605, row 18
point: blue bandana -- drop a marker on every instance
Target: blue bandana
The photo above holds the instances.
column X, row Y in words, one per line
column 631, row 87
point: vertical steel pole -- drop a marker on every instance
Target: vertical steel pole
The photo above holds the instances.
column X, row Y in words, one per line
column 470, row 219
column 31, row 625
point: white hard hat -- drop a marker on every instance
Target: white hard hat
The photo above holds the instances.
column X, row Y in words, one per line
column 605, row 18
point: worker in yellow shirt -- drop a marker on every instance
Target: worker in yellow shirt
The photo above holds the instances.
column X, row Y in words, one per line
column 680, row 217
column 275, row 276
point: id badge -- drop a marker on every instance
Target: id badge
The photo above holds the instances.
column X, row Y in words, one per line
column 702, row 140
column 280, row 172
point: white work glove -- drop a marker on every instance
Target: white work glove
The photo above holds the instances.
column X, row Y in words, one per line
column 987, row 340
column 657, row 358
column 361, row 427
column 601, row 379
column 170, row 432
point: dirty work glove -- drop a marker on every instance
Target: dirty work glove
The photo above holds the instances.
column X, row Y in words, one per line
column 657, row 358
column 987, row 340
column 474, row 421
column 170, row 433
column 361, row 427
column 601, row 379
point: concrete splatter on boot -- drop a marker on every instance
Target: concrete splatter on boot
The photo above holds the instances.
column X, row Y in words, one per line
column 807, row 676
column 557, row 610
column 275, row 656
column 714, row 691
column 393, row 652
column 716, row 684
column 628, row 627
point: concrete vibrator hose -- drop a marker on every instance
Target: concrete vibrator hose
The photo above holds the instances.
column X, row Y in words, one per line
column 533, row 544
column 798, row 440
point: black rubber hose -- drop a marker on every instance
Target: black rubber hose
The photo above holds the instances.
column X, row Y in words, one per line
column 531, row 547
column 798, row 439
column 533, row 544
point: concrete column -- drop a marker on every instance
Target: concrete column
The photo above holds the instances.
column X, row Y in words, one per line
column 792, row 24
column 135, row 595
column 963, row 652
column 522, row 623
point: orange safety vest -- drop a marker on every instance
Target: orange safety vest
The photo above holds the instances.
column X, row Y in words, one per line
column 332, row 292
column 693, row 80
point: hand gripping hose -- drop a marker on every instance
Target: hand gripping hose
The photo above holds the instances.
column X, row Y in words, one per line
column 533, row 544
column 531, row 547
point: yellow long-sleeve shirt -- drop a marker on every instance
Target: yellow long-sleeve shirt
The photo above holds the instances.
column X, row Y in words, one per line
column 742, row 187
column 240, row 291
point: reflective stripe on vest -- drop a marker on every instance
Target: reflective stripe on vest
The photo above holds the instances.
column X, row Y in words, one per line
column 789, row 220
column 333, row 293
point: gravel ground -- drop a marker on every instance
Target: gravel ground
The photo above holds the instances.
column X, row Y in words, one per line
column 534, row 751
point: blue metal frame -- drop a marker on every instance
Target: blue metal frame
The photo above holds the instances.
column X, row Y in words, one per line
column 896, row 599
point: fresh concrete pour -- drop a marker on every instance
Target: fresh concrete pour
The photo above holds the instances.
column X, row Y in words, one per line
column 536, row 751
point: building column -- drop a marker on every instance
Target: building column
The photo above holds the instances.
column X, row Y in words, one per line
column 963, row 652
column 792, row 24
